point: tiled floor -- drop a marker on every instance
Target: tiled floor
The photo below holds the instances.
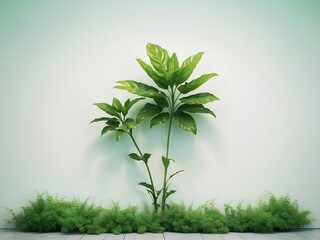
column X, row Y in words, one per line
column 309, row 234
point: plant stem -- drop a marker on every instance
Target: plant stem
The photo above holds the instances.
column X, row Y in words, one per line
column 155, row 204
column 164, row 189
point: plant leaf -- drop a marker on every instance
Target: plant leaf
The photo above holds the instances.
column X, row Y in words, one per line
column 173, row 63
column 124, row 110
column 194, row 84
column 158, row 57
column 146, row 157
column 149, row 110
column 159, row 119
column 100, row 119
column 185, row 121
column 146, row 185
column 173, row 70
column 129, row 103
column 114, row 122
column 199, row 98
column 139, row 88
column 172, row 175
column 116, row 104
column 108, row 109
column 162, row 102
column 135, row 156
column 170, row 193
column 187, row 67
column 119, row 134
column 130, row 123
column 148, row 69
column 165, row 161
column 195, row 108
column 107, row 129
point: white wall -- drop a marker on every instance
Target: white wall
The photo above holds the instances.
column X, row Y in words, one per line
column 59, row 57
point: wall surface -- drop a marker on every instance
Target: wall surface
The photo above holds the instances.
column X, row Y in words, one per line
column 57, row 58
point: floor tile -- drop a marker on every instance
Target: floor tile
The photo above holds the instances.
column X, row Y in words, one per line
column 73, row 236
column 115, row 237
column 131, row 236
column 94, row 237
column 147, row 236
column 307, row 235
column 315, row 232
column 206, row 236
column 290, row 236
column 182, row 236
column 253, row 236
column 232, row 236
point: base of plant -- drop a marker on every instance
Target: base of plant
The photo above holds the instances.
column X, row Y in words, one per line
column 51, row 214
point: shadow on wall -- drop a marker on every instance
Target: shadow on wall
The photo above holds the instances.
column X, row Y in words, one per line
column 107, row 162
column 117, row 176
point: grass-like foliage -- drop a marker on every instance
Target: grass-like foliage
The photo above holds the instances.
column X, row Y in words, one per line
column 49, row 213
column 275, row 214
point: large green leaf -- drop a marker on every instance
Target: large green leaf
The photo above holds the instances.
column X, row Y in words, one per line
column 116, row 104
column 173, row 63
column 139, row 88
column 157, row 79
column 149, row 110
column 100, row 119
column 129, row 103
column 114, row 122
column 130, row 123
column 108, row 109
column 158, row 57
column 199, row 98
column 195, row 108
column 186, row 122
column 107, row 129
column 194, row 84
column 173, row 69
column 159, row 119
column 162, row 102
column 119, row 134
column 187, row 67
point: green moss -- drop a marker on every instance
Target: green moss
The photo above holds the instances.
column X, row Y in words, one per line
column 48, row 213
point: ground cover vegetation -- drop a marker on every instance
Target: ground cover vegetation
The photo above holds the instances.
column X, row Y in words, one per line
column 49, row 213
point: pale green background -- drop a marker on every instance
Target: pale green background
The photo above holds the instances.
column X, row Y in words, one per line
column 59, row 57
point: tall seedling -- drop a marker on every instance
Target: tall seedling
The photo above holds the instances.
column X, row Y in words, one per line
column 171, row 101
column 119, row 122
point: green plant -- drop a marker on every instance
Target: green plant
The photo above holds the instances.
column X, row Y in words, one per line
column 171, row 101
column 41, row 215
column 205, row 219
column 48, row 213
column 285, row 212
column 275, row 214
column 119, row 122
